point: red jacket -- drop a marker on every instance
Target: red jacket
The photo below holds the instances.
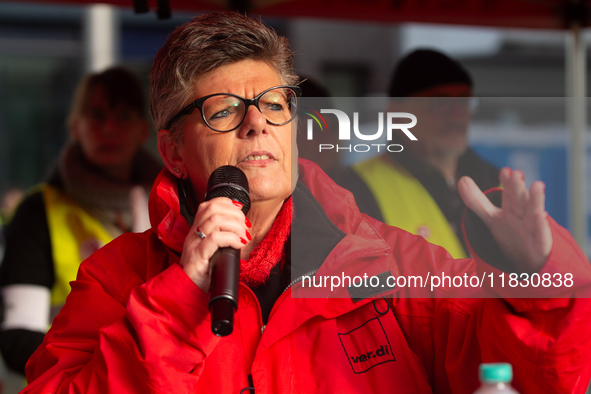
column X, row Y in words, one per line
column 134, row 322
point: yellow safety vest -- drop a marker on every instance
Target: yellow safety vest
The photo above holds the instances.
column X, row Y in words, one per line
column 406, row 204
column 74, row 234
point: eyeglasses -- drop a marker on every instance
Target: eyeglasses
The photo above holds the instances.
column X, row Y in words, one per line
column 225, row 112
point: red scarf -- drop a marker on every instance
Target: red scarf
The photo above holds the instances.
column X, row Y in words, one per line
column 256, row 270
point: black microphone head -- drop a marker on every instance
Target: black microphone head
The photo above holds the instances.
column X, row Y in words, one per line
column 231, row 182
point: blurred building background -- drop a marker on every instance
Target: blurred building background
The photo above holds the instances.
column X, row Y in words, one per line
column 44, row 51
column 519, row 74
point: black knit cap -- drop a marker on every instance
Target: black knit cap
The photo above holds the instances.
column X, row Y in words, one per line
column 424, row 69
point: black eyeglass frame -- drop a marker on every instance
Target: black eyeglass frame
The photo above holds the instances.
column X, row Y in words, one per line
column 198, row 104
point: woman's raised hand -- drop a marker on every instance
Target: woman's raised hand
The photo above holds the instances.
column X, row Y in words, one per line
column 520, row 226
column 218, row 223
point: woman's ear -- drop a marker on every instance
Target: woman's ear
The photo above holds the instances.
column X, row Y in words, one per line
column 169, row 152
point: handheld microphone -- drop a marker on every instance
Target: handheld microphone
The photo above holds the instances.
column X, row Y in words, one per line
column 231, row 182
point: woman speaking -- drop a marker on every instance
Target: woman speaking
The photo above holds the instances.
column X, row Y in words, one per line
column 137, row 319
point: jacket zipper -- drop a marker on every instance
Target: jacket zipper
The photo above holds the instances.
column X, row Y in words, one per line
column 293, row 282
column 313, row 272
column 251, row 388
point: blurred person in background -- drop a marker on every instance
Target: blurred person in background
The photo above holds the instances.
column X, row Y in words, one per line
column 96, row 191
column 137, row 319
column 416, row 189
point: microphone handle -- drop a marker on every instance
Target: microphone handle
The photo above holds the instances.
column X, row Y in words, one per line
column 223, row 290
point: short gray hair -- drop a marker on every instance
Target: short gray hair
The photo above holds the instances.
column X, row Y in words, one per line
column 202, row 45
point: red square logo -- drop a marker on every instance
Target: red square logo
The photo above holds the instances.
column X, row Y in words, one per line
column 367, row 346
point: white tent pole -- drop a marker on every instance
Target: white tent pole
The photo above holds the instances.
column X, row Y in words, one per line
column 101, row 37
column 576, row 107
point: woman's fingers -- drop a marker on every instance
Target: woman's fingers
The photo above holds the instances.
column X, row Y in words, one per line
column 221, row 214
column 522, row 230
column 220, row 223
column 204, row 248
column 520, row 195
column 537, row 199
column 476, row 200
column 515, row 195
column 505, row 178
column 197, row 253
column 225, row 223
column 543, row 236
column 538, row 217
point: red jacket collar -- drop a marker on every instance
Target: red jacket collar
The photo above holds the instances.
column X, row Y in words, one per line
column 165, row 212
column 339, row 205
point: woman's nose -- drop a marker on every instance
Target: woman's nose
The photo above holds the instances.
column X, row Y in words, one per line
column 254, row 123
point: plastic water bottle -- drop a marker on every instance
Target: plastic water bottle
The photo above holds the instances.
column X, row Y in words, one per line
column 495, row 378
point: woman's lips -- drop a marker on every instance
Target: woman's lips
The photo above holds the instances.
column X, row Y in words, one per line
column 258, row 158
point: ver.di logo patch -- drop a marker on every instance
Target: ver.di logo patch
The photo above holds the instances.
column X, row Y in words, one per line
column 367, row 346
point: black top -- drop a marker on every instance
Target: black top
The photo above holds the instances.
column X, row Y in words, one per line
column 313, row 236
column 28, row 260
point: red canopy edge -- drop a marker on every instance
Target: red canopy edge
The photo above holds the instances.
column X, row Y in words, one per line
column 545, row 14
